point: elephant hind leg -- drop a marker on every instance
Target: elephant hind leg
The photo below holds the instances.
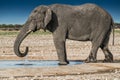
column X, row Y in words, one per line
column 96, row 43
column 106, row 51
column 93, row 53
column 108, row 54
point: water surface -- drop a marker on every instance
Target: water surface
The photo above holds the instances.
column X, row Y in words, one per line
column 32, row 63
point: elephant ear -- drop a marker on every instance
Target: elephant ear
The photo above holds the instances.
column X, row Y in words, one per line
column 48, row 17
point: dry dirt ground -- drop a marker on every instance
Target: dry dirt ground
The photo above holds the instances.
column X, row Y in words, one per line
column 41, row 47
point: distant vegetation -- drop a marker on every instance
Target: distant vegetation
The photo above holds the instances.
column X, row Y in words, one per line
column 11, row 27
column 117, row 25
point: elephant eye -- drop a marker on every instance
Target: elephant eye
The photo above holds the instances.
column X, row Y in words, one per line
column 35, row 11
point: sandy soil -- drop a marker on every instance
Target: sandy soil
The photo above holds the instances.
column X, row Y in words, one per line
column 41, row 47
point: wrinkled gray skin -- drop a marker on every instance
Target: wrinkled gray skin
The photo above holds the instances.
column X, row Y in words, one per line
column 87, row 22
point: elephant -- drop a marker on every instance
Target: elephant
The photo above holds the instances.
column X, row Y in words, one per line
column 86, row 22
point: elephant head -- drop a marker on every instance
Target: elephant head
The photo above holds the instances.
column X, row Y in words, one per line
column 38, row 19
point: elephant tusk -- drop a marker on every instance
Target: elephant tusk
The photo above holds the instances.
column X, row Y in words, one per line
column 28, row 31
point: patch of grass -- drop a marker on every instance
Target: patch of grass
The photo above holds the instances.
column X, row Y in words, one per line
column 4, row 33
column 41, row 32
column 13, row 33
column 117, row 30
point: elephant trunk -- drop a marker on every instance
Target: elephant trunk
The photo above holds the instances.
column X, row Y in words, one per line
column 21, row 36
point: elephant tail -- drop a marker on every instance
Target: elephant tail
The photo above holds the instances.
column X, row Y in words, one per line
column 113, row 31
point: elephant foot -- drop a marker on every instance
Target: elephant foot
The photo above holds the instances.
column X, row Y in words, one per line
column 63, row 63
column 108, row 59
column 90, row 60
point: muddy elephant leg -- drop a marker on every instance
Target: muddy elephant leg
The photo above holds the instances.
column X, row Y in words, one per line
column 93, row 53
column 108, row 54
column 61, row 52
column 106, row 51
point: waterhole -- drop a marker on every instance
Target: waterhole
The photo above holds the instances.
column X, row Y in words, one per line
column 32, row 63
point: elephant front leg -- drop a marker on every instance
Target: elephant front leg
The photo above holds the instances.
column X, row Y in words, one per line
column 61, row 52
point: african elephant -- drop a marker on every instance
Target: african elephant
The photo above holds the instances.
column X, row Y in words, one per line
column 87, row 22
